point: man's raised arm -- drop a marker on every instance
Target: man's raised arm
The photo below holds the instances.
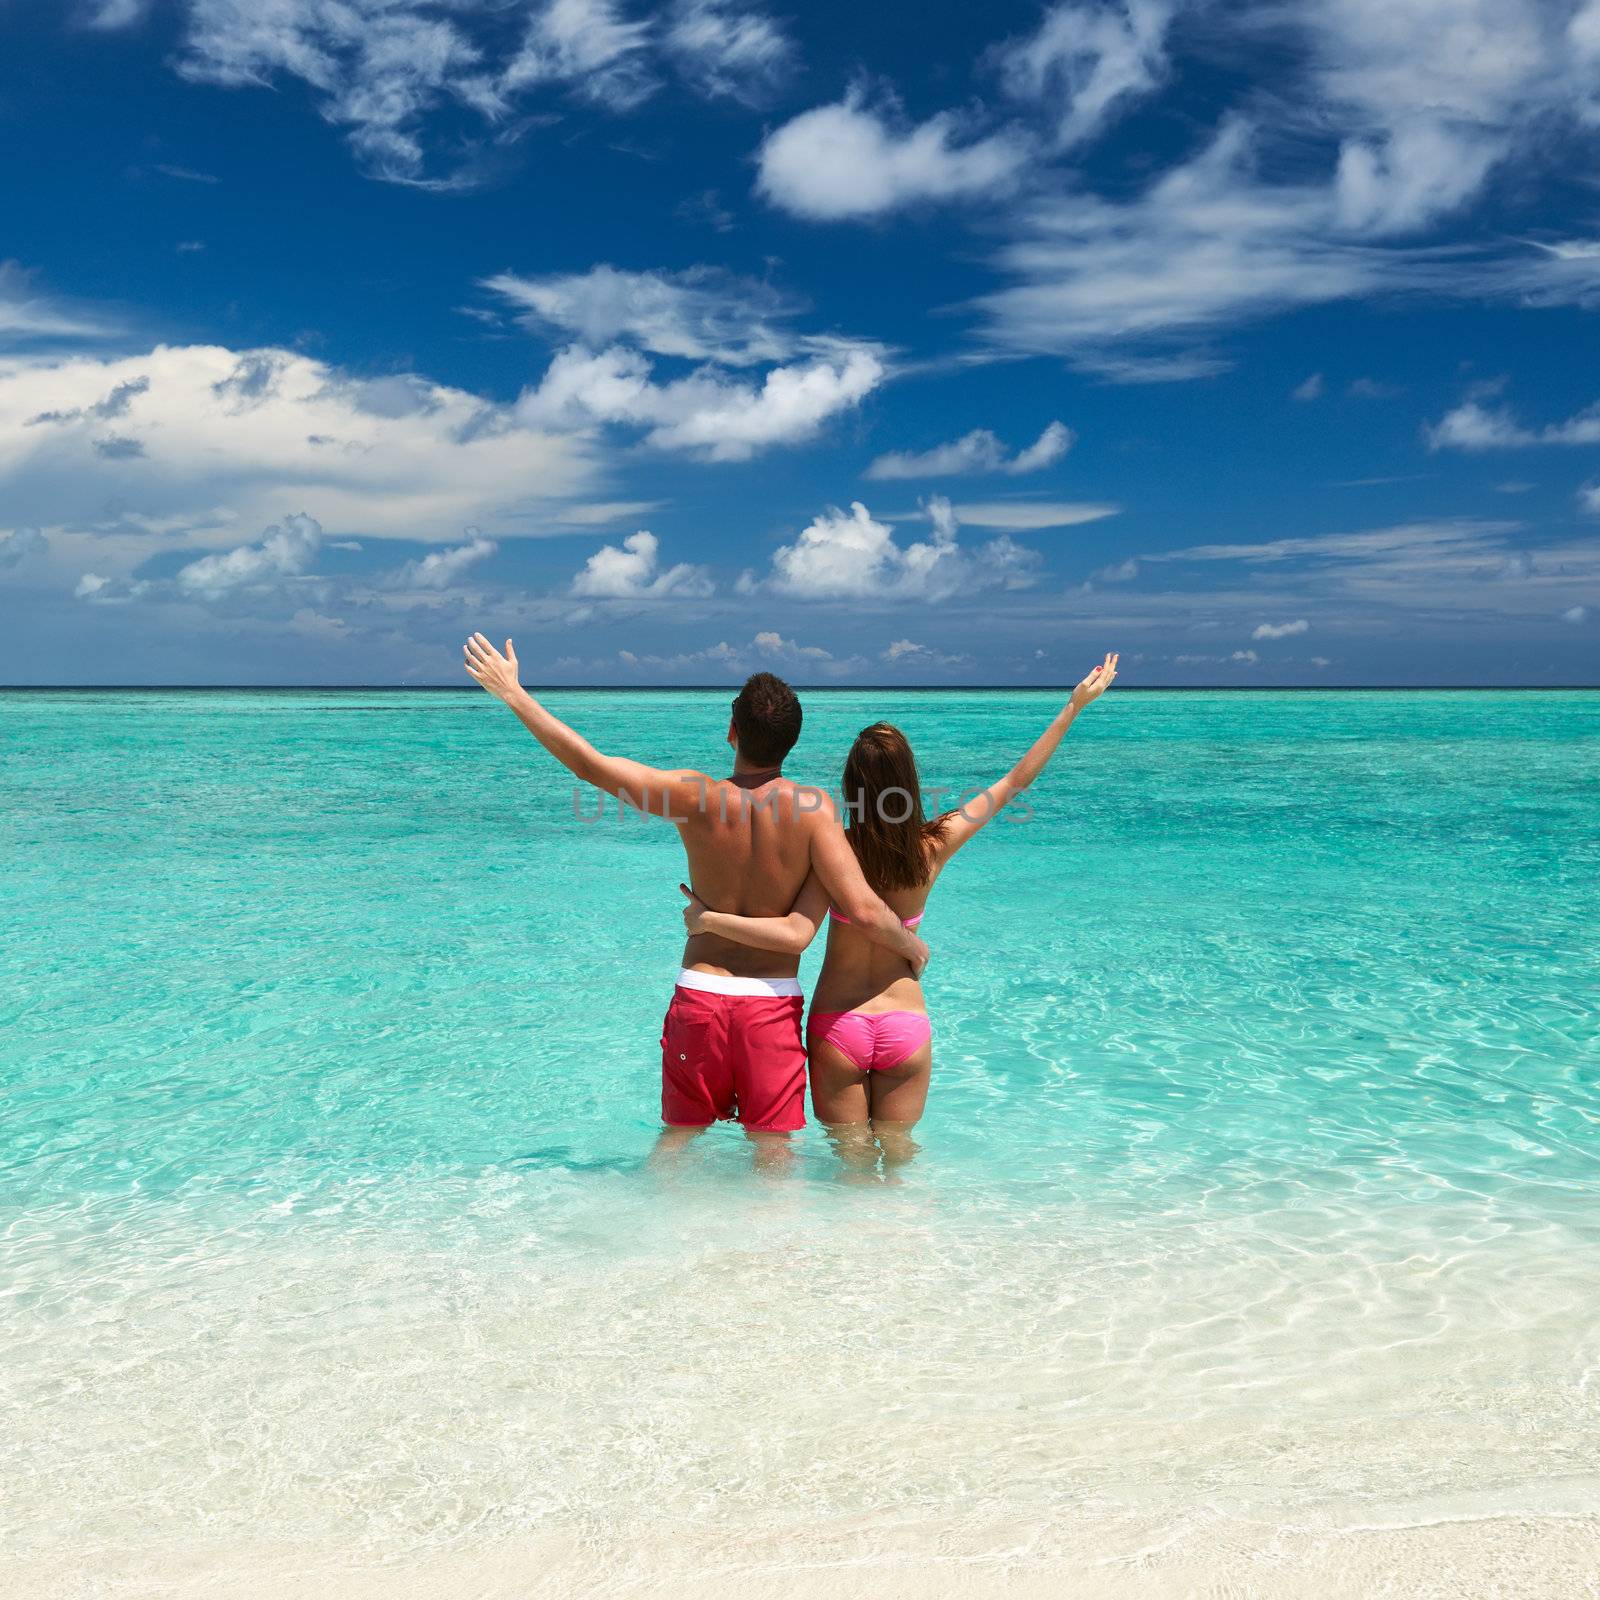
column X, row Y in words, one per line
column 835, row 863
column 652, row 789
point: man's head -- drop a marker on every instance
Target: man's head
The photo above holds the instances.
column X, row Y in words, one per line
column 766, row 720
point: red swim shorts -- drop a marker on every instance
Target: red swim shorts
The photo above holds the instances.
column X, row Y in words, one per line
column 730, row 1047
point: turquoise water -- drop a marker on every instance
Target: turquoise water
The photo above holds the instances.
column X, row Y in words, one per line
column 1259, row 1178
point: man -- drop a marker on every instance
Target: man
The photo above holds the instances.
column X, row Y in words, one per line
column 731, row 1042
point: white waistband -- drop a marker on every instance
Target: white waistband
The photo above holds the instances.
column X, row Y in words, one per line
column 715, row 983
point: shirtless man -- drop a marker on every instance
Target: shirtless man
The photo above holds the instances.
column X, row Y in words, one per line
column 731, row 1042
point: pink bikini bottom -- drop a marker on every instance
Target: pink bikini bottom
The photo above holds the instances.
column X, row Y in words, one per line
column 872, row 1041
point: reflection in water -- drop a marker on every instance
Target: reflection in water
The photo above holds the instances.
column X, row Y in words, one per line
column 870, row 1150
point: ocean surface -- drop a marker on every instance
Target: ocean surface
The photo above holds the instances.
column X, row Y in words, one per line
column 1258, row 1194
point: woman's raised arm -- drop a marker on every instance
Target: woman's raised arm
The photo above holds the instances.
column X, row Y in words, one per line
column 983, row 808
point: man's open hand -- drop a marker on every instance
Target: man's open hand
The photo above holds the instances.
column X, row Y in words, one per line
column 497, row 673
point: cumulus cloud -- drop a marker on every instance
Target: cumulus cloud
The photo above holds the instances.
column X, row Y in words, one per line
column 1281, row 630
column 1087, row 60
column 284, row 550
column 1589, row 498
column 1311, row 389
column 632, row 571
column 908, row 652
column 705, row 414
column 1474, row 426
column 222, row 432
column 441, row 568
column 1119, row 571
column 767, row 649
column 702, row 314
column 978, row 451
column 1575, row 614
column 848, row 160
column 20, row 544
column 850, row 556
column 98, row 590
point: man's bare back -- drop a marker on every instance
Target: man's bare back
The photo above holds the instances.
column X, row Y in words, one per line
column 749, row 849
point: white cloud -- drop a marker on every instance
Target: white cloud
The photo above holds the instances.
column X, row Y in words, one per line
column 978, row 451
column 441, row 568
column 632, row 572
column 1248, row 657
column 587, row 44
column 1087, row 60
column 223, row 433
column 1417, row 173
column 20, row 544
column 1311, row 389
column 702, row 314
column 99, row 590
column 1204, row 245
column 382, row 69
column 1589, row 498
column 1024, row 516
column 777, row 648
column 909, row 653
column 1119, row 572
column 850, row 556
column 1393, row 118
column 284, row 550
column 767, row 649
column 1473, row 426
column 1575, row 614
column 845, row 160
column 723, row 51
column 705, row 414
column 108, row 15
column 1281, row 630
column 309, row 623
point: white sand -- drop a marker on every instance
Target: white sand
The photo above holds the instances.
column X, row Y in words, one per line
column 1485, row 1558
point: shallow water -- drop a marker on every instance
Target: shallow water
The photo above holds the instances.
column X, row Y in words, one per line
column 1259, row 1177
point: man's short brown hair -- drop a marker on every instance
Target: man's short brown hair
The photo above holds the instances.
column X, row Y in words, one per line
column 766, row 719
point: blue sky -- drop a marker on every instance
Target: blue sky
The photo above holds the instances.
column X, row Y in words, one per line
column 919, row 344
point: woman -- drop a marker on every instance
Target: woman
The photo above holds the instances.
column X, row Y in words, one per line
column 869, row 1038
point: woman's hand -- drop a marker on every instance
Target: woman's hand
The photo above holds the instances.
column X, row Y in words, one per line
column 1099, row 680
column 693, row 913
column 497, row 673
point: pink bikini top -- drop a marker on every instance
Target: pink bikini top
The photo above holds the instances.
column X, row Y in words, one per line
column 908, row 922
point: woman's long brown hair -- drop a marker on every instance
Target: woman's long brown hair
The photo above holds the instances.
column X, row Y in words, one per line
column 883, row 799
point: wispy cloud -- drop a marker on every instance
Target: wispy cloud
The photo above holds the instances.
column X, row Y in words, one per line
column 978, row 451
column 701, row 314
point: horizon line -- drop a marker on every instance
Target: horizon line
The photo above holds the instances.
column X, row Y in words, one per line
column 808, row 688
